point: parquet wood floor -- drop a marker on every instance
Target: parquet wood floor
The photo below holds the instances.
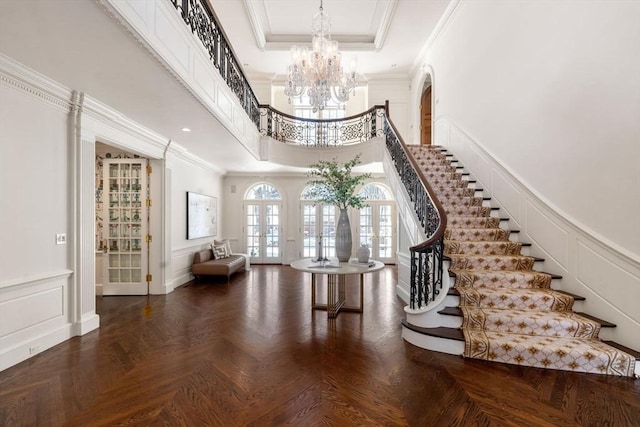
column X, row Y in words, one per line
column 252, row 353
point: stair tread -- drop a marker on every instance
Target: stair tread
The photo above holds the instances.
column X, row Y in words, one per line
column 627, row 350
column 439, row 332
column 451, row 311
column 603, row 323
column 575, row 297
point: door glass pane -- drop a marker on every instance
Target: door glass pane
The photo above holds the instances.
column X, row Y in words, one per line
column 366, row 226
column 309, row 231
column 329, row 230
column 385, row 231
column 253, row 230
column 272, row 231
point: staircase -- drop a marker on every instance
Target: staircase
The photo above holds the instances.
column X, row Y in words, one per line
column 500, row 308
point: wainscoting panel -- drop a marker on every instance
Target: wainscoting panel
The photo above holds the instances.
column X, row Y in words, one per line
column 34, row 316
column 547, row 234
column 166, row 30
column 238, row 121
column 403, row 288
column 510, row 197
column 181, row 260
column 617, row 285
column 479, row 167
column 202, row 75
column 141, row 8
column 225, row 105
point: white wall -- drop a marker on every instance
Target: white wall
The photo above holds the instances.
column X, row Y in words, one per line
column 197, row 178
column 397, row 92
column 540, row 101
column 36, row 285
column 552, row 91
column 34, row 185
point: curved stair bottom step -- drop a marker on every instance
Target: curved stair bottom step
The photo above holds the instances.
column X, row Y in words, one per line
column 566, row 354
column 443, row 340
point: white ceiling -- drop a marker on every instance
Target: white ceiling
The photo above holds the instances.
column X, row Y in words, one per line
column 78, row 44
column 385, row 36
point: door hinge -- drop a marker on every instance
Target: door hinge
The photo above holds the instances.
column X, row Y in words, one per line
column 149, row 169
column 148, row 203
column 149, row 278
column 148, row 238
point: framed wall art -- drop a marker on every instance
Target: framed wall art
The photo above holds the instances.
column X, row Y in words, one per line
column 202, row 219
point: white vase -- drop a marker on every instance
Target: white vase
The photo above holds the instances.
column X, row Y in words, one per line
column 363, row 253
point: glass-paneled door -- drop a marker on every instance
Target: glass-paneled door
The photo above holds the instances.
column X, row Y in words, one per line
column 318, row 223
column 377, row 224
column 262, row 227
column 126, row 220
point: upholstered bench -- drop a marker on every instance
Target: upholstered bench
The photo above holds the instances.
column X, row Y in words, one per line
column 204, row 264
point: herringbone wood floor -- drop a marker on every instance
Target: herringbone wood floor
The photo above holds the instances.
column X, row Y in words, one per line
column 252, row 352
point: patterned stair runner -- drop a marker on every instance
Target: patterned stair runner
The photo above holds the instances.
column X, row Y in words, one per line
column 510, row 314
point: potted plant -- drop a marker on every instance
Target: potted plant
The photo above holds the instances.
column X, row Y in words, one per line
column 333, row 183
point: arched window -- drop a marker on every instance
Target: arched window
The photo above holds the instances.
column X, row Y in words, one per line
column 375, row 192
column 263, row 191
column 262, row 208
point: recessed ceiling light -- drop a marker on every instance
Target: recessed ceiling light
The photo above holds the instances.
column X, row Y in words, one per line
column 185, row 130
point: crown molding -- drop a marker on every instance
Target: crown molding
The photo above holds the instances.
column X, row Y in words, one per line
column 18, row 75
column 385, row 23
column 254, row 22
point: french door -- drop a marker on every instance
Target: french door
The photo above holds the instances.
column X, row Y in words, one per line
column 263, row 231
column 318, row 225
column 126, row 218
column 377, row 230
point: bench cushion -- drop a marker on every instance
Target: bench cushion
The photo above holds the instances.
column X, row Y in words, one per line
column 205, row 265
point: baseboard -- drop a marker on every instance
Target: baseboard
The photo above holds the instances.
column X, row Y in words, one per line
column 87, row 324
column 27, row 349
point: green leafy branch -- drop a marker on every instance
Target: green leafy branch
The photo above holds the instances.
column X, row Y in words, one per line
column 332, row 183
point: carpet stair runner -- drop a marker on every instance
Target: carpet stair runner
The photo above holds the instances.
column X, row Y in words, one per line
column 509, row 313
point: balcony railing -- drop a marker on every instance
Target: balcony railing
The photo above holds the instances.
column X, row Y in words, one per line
column 203, row 22
column 322, row 133
column 426, row 257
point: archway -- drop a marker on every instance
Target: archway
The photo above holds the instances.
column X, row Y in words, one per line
column 426, row 112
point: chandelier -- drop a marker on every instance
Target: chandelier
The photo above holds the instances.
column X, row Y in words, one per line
column 319, row 72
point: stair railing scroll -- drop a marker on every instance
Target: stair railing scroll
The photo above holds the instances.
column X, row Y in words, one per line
column 426, row 257
column 322, row 133
column 205, row 25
